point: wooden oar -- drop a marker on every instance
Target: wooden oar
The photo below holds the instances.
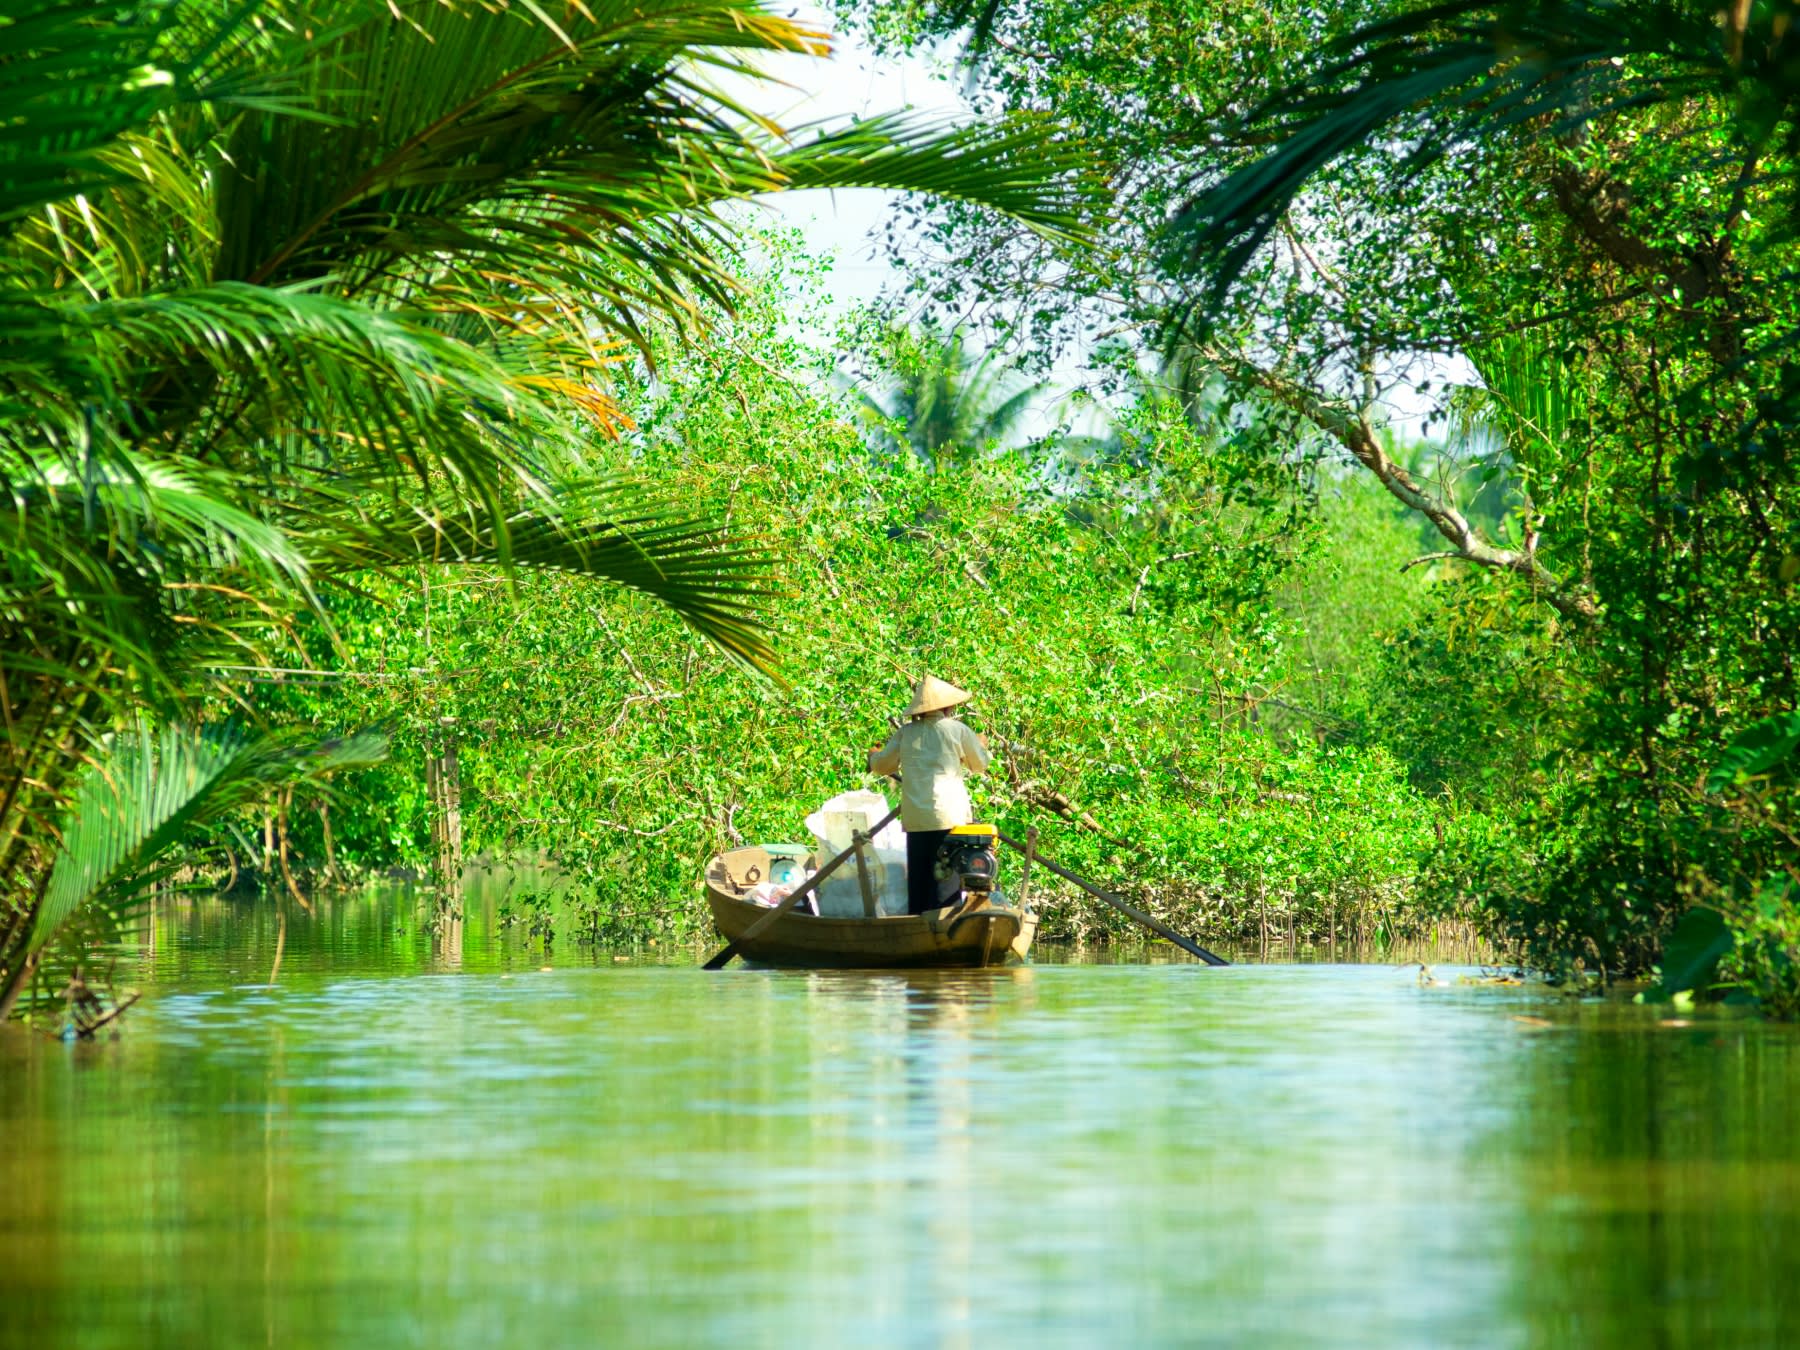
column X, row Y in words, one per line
column 1193, row 948
column 806, row 888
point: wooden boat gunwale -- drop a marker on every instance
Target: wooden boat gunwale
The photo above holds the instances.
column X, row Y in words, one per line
column 974, row 932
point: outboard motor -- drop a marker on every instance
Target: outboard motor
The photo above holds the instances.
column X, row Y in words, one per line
column 967, row 860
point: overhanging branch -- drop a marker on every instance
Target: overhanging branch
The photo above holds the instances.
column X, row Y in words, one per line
column 1355, row 434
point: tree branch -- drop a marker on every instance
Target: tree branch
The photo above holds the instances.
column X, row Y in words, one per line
column 1354, row 433
column 1428, row 557
column 1144, row 575
column 1599, row 206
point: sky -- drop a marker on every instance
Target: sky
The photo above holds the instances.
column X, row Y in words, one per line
column 853, row 83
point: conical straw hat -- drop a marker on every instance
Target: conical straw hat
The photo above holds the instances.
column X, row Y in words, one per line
column 931, row 694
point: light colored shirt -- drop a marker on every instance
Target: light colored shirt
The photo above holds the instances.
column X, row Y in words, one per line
column 933, row 755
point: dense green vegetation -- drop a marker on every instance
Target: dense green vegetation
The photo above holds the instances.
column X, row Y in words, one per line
column 293, row 295
column 1128, row 660
column 1572, row 226
column 1439, row 557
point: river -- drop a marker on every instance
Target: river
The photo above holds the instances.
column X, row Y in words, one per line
column 411, row 1143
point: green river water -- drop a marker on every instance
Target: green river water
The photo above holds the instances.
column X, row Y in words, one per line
column 418, row 1143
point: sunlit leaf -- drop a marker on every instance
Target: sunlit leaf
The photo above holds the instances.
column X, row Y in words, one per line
column 1756, row 750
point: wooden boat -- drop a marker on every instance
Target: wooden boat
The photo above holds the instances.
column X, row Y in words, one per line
column 981, row 930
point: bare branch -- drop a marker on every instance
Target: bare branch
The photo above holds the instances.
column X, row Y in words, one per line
column 1355, row 434
column 1144, row 575
column 1428, row 557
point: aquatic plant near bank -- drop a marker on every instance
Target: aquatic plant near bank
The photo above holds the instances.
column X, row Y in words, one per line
column 145, row 791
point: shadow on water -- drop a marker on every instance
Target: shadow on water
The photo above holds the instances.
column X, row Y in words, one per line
column 406, row 1142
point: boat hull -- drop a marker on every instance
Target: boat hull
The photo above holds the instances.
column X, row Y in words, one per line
column 979, row 933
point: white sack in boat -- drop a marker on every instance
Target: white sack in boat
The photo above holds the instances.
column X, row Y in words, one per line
column 840, row 897
column 772, row 893
column 858, row 809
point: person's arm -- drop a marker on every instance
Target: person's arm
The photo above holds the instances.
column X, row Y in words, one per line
column 975, row 756
column 886, row 760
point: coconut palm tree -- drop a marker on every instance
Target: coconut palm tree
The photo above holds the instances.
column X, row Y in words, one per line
column 297, row 290
column 936, row 399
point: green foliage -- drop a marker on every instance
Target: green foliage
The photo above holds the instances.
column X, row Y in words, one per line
column 1465, row 692
column 932, row 397
column 1440, row 77
column 1765, row 955
column 153, row 787
column 1754, row 883
column 296, row 294
column 1571, row 226
column 146, row 793
column 1692, row 952
column 1118, row 628
column 1756, row 750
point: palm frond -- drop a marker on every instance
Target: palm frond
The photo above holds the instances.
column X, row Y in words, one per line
column 152, row 786
column 581, row 156
column 72, row 78
column 310, row 384
column 945, row 398
column 1529, row 395
column 105, row 554
column 1022, row 165
column 615, row 531
column 1000, row 418
column 76, row 76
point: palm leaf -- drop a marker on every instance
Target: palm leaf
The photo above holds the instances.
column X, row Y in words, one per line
column 152, row 786
column 582, row 156
column 1021, row 165
column 999, row 419
column 1529, row 394
column 614, row 531
column 77, row 76
column 72, row 77
column 945, row 397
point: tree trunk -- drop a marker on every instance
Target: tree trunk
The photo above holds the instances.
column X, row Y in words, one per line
column 330, row 852
column 16, row 980
column 445, row 791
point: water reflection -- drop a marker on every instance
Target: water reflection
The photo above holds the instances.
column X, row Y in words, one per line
column 933, row 997
column 379, row 1151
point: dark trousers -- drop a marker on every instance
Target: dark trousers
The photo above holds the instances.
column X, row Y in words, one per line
column 921, row 869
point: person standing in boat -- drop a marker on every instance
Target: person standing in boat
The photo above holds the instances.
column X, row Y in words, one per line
column 933, row 752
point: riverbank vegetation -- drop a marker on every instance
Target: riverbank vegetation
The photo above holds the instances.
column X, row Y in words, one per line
column 1419, row 543
column 1571, row 226
column 1133, row 625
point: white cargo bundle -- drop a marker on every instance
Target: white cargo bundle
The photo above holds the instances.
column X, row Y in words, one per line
column 832, row 825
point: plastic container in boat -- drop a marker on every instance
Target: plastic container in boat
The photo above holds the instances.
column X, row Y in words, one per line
column 787, row 863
